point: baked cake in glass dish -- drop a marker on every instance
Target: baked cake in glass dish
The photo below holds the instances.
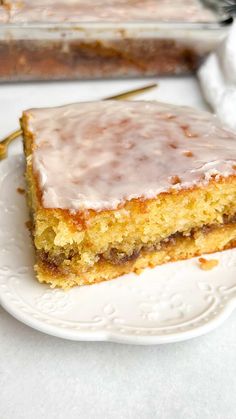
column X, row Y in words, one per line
column 115, row 187
column 90, row 39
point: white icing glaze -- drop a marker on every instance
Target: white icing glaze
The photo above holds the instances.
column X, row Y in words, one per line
column 218, row 80
column 112, row 10
column 98, row 155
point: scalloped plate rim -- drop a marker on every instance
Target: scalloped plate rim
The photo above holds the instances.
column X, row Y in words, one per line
column 113, row 337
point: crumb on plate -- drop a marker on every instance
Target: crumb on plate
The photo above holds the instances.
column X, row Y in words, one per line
column 207, row 264
column 29, row 225
column 21, row 191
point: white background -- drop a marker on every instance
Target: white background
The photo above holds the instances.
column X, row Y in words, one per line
column 45, row 377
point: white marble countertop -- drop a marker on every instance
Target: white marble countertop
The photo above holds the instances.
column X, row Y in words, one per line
column 45, row 377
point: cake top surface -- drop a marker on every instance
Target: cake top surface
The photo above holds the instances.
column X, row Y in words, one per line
column 97, row 155
column 107, row 10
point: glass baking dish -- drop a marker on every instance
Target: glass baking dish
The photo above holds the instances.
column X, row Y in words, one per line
column 63, row 51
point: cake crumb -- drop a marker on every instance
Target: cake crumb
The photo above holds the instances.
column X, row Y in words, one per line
column 207, row 264
column 21, row 191
column 28, row 225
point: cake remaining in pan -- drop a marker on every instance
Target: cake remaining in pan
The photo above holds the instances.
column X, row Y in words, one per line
column 90, row 39
column 108, row 10
column 115, row 187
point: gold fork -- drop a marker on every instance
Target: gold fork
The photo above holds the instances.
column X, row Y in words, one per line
column 7, row 141
column 4, row 144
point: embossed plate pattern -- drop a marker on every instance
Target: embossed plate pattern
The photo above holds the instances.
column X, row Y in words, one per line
column 170, row 303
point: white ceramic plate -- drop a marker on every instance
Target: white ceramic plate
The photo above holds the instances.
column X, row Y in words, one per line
column 170, row 303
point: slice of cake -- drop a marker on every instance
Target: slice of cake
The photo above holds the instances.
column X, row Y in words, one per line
column 115, row 187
